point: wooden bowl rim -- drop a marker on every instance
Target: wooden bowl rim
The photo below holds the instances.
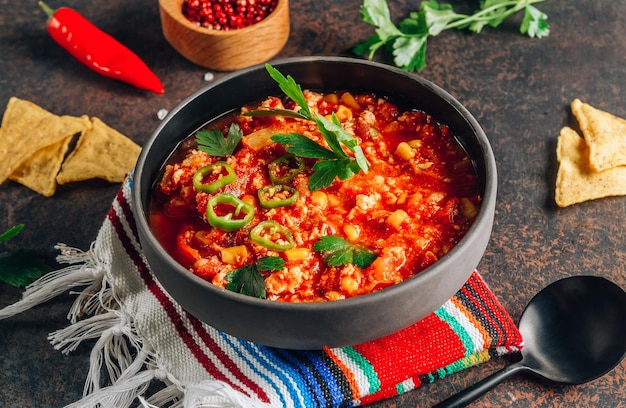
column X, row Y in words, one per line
column 168, row 6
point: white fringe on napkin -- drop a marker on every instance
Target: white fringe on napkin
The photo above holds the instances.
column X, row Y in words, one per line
column 130, row 363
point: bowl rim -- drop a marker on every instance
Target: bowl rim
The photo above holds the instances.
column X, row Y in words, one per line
column 484, row 215
column 167, row 7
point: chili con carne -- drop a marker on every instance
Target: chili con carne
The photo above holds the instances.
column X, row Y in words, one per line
column 98, row 50
column 237, row 214
column 221, row 181
column 272, row 235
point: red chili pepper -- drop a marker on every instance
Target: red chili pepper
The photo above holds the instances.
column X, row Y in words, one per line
column 98, row 50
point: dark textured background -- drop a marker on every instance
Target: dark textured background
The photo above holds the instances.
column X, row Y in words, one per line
column 518, row 88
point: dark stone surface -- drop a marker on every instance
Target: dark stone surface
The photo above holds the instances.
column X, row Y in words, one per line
column 518, row 88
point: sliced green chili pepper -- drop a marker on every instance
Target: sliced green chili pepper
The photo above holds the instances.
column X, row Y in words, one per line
column 272, row 235
column 240, row 212
column 277, row 196
column 222, row 180
column 285, row 168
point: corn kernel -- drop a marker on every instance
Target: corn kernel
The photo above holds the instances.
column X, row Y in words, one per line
column 396, row 218
column 249, row 199
column 352, row 232
column 349, row 284
column 404, row 151
column 415, row 143
column 468, row 209
column 343, row 113
column 333, row 200
column 319, row 199
column 349, row 100
column 234, row 255
column 331, row 98
column 297, row 254
column 402, row 198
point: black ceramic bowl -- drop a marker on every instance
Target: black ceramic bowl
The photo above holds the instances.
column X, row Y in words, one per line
column 336, row 323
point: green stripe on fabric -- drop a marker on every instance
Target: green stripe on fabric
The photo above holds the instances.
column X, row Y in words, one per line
column 458, row 329
column 366, row 367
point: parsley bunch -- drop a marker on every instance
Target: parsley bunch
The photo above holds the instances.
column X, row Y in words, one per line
column 407, row 42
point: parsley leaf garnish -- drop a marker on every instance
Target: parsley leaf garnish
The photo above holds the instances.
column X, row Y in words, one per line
column 334, row 161
column 408, row 40
column 214, row 143
column 248, row 280
column 337, row 251
column 22, row 267
column 270, row 263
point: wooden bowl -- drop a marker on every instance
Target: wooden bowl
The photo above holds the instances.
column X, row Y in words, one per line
column 225, row 50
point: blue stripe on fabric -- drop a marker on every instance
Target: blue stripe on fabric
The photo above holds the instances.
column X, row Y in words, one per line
column 262, row 360
column 305, row 373
column 336, row 393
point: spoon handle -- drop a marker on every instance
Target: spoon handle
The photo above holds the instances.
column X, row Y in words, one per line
column 475, row 391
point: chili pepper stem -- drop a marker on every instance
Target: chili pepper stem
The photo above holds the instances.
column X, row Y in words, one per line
column 47, row 9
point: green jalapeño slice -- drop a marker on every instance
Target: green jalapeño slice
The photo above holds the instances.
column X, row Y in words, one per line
column 204, row 179
column 272, row 235
column 228, row 213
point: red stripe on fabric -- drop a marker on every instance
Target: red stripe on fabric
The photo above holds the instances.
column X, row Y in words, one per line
column 224, row 359
column 167, row 304
column 197, row 325
column 128, row 213
column 419, row 349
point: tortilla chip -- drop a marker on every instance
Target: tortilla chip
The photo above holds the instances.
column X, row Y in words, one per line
column 101, row 152
column 28, row 128
column 39, row 171
column 605, row 135
column 576, row 181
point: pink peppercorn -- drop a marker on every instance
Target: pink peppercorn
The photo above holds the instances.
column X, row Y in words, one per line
column 227, row 14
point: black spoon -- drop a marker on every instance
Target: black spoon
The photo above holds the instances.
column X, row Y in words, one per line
column 574, row 331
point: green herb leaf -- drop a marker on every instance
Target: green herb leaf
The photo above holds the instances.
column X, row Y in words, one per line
column 324, row 173
column 11, row 232
column 289, row 86
column 334, row 134
column 337, row 251
column 22, row 267
column 535, row 23
column 287, row 113
column 270, row 263
column 302, row 146
column 408, row 41
column 214, row 143
column 246, row 280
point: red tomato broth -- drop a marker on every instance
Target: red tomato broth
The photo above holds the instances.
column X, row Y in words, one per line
column 410, row 210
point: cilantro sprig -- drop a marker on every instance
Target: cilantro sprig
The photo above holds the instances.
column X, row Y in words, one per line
column 213, row 142
column 407, row 42
column 248, row 280
column 336, row 251
column 333, row 162
column 22, row 267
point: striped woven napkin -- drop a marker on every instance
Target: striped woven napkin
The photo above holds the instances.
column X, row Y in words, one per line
column 143, row 337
